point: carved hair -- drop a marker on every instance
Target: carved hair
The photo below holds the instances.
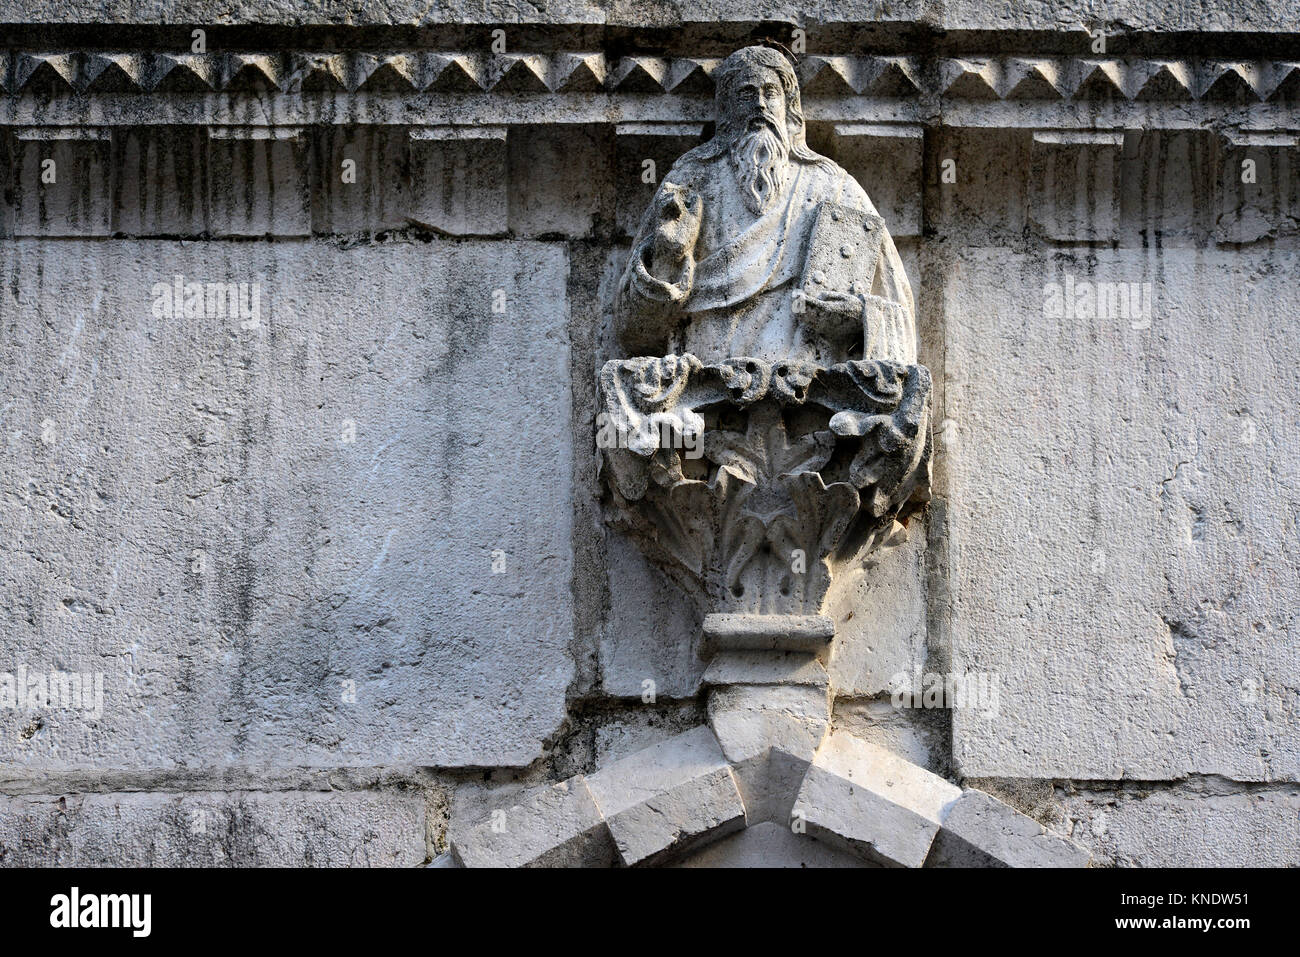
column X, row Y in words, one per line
column 730, row 70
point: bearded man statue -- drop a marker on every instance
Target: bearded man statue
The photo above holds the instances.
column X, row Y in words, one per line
column 717, row 267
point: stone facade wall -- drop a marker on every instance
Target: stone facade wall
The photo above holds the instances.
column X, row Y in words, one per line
column 332, row 536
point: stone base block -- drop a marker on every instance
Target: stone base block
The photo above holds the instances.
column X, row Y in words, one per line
column 864, row 799
column 214, row 829
column 556, row 826
column 809, row 633
column 765, row 668
column 981, row 831
column 668, row 797
column 769, row 734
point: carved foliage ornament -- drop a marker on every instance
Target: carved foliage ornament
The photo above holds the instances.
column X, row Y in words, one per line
column 761, row 480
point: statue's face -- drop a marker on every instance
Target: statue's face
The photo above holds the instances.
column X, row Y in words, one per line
column 759, row 100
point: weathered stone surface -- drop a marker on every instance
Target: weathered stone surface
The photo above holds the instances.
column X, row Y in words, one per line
column 362, row 181
column 555, row 826
column 769, row 844
column 749, row 719
column 642, row 728
column 1259, row 187
column 765, row 668
column 981, row 831
column 769, row 734
column 163, row 174
column 228, row 829
column 258, row 183
column 664, row 798
column 1136, row 15
column 242, row 522
column 919, row 735
column 62, row 183
column 798, row 633
column 862, row 798
column 557, row 179
column 880, row 614
column 1194, row 826
column 652, row 630
column 1168, row 531
column 458, row 179
column 1075, row 190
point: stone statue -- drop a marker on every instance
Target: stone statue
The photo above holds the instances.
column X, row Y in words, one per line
column 721, row 264
column 771, row 423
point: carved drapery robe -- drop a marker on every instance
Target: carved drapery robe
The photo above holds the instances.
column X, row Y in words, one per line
column 733, row 296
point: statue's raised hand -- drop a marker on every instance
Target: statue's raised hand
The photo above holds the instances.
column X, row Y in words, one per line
column 679, row 214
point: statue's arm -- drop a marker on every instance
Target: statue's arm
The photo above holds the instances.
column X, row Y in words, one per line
column 660, row 268
column 889, row 313
column 889, row 320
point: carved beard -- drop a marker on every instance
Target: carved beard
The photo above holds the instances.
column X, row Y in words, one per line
column 760, row 158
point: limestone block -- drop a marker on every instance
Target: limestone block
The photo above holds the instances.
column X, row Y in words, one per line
column 1167, row 531
column 769, row 844
column 740, row 632
column 207, row 829
column 62, row 180
column 1258, row 187
column 749, row 719
column 555, row 826
column 559, row 178
column 668, row 797
column 881, row 617
column 651, row 631
column 362, row 179
column 1169, row 191
column 769, row 734
column 917, row 734
column 458, row 179
column 1139, row 15
column 765, row 668
column 1188, row 826
column 987, row 198
column 1076, row 189
column 644, row 153
column 862, row 798
column 887, row 159
column 639, row 729
column 336, row 533
column 259, row 182
column 981, row 831
column 162, row 182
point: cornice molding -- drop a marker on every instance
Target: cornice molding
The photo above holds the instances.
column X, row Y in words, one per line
column 887, row 77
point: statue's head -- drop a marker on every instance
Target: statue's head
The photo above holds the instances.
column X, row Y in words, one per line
column 759, row 122
column 756, row 86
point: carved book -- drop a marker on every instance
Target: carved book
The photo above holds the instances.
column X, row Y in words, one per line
column 843, row 248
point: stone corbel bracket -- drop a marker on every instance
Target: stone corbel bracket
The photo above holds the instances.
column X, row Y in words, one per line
column 758, row 480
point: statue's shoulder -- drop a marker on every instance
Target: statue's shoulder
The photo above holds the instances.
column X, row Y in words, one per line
column 697, row 164
column 823, row 167
column 837, row 182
